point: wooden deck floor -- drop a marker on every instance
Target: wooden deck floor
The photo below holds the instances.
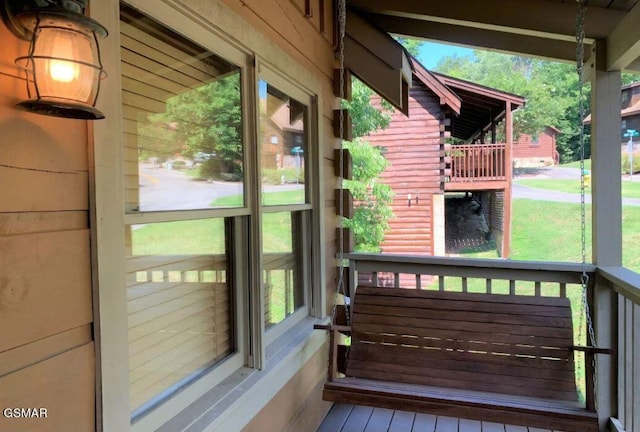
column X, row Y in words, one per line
column 350, row 418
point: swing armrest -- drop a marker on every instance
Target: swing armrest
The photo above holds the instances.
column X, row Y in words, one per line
column 332, row 327
column 592, row 350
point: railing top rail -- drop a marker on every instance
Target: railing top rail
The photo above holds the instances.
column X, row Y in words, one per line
column 470, row 267
column 624, row 281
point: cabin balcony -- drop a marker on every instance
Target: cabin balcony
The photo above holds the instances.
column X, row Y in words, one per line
column 477, row 167
column 607, row 380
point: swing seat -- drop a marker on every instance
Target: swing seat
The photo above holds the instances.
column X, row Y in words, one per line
column 499, row 358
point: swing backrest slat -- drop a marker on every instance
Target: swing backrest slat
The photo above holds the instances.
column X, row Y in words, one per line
column 505, row 344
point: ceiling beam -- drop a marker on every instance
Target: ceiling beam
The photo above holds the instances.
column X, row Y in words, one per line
column 531, row 17
column 478, row 38
column 623, row 44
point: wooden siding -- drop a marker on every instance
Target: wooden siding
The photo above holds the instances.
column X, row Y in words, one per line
column 46, row 343
column 527, row 152
column 413, row 149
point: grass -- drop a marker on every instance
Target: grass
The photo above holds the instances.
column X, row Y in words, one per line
column 287, row 197
column 576, row 164
column 629, row 189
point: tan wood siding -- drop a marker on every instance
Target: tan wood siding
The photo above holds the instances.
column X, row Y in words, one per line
column 413, row 150
column 46, row 340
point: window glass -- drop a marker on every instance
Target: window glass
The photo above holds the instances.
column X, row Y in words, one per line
column 179, row 298
column 182, row 121
column 283, row 147
column 282, row 278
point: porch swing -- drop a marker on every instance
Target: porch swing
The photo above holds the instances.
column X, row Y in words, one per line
column 499, row 358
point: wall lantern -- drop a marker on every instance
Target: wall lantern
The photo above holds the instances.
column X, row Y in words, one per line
column 63, row 66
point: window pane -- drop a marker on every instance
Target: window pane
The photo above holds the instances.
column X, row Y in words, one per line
column 179, row 294
column 282, row 279
column 182, row 120
column 283, row 147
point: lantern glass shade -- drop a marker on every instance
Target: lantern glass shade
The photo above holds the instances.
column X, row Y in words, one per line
column 63, row 65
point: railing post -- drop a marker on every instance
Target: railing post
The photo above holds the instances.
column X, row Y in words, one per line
column 604, row 307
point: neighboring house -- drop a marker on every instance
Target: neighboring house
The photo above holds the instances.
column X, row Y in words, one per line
column 427, row 175
column 530, row 152
column 630, row 109
column 630, row 112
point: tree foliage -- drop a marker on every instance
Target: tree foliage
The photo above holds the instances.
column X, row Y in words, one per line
column 208, row 120
column 550, row 88
column 372, row 212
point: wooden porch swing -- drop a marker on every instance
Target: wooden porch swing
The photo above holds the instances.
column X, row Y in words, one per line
column 499, row 358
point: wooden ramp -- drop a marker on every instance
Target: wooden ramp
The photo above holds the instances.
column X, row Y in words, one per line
column 355, row 418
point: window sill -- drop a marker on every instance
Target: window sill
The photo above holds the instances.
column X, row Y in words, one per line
column 232, row 404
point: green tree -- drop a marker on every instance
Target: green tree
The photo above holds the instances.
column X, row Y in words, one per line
column 550, row 88
column 372, row 211
column 208, row 120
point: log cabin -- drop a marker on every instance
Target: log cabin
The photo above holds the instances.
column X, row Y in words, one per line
column 536, row 151
column 128, row 302
column 424, row 166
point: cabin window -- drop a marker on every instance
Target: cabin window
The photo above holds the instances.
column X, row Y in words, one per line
column 284, row 188
column 184, row 209
column 217, row 183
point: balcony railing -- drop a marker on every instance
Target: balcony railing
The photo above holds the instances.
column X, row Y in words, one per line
column 477, row 162
column 614, row 295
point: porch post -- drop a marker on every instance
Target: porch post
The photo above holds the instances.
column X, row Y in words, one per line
column 606, row 219
column 506, row 223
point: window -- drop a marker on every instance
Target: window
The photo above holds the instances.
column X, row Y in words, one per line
column 184, row 165
column 192, row 219
column 284, row 200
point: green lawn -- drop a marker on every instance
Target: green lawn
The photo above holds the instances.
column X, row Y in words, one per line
column 629, row 189
column 576, row 164
column 287, row 197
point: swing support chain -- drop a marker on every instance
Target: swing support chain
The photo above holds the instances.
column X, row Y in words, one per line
column 342, row 24
column 585, row 313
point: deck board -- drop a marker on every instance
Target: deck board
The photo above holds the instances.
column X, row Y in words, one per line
column 380, row 420
column 350, row 418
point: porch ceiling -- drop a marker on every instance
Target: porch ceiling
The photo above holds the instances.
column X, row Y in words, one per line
column 539, row 28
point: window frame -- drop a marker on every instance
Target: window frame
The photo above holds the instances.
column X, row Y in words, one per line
column 224, row 33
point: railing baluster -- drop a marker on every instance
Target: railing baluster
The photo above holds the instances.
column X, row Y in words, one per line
column 488, row 286
column 538, row 290
column 563, row 290
column 374, row 278
column 396, row 280
column 512, row 287
column 418, row 281
column 441, row 283
column 465, row 288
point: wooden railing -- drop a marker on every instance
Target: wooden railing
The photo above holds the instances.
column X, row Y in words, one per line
column 477, row 162
column 616, row 309
column 623, row 288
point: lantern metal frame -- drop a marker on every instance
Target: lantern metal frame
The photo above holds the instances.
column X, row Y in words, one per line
column 25, row 19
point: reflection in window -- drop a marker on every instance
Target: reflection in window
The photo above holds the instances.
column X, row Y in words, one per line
column 182, row 121
column 282, row 279
column 180, row 305
column 283, row 147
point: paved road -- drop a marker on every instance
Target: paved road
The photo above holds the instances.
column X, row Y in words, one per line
column 164, row 189
column 525, row 192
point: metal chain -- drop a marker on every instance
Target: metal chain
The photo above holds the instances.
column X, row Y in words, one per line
column 585, row 313
column 342, row 25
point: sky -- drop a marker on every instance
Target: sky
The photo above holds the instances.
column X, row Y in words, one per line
column 432, row 52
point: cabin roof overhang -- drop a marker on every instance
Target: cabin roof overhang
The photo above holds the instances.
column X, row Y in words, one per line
column 445, row 94
column 481, row 106
column 537, row 28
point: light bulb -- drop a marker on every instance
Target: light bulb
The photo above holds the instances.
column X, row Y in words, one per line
column 63, row 71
